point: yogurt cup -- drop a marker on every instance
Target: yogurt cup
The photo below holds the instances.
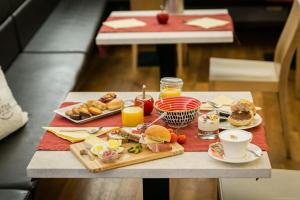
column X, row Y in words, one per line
column 208, row 125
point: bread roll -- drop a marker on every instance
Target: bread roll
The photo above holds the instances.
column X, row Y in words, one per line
column 84, row 113
column 115, row 104
column 100, row 105
column 73, row 115
column 83, row 106
column 158, row 133
column 76, row 111
column 94, row 111
column 96, row 104
column 90, row 103
column 69, row 112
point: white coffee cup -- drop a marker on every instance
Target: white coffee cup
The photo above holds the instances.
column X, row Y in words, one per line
column 235, row 142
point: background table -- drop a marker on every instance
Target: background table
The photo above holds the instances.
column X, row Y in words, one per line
column 165, row 40
column 62, row 164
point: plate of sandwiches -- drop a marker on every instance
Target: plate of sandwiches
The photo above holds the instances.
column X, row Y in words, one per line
column 243, row 116
column 90, row 110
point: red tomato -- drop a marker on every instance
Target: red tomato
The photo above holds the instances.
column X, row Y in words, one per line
column 181, row 139
column 174, row 137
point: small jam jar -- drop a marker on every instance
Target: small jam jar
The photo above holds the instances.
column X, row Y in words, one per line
column 170, row 87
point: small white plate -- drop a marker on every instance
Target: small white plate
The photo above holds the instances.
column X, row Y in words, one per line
column 105, row 113
column 257, row 121
column 249, row 157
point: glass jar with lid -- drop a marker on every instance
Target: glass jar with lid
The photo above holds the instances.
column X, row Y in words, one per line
column 170, row 87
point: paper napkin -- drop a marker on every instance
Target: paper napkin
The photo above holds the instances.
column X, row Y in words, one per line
column 124, row 23
column 223, row 100
column 206, row 106
column 220, row 100
column 77, row 135
column 207, row 22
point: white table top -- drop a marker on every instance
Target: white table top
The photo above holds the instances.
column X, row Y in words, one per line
column 62, row 164
column 165, row 37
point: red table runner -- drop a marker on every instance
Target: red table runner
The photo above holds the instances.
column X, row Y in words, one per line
column 176, row 23
column 51, row 142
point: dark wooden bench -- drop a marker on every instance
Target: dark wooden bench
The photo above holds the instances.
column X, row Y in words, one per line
column 43, row 47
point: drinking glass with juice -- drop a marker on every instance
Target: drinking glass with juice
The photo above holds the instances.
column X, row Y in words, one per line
column 133, row 115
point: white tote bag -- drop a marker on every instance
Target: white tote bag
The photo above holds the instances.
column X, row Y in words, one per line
column 11, row 115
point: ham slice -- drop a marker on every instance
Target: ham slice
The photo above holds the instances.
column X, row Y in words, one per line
column 134, row 137
column 159, row 147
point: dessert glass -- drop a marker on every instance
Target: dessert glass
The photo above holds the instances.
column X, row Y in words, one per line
column 208, row 125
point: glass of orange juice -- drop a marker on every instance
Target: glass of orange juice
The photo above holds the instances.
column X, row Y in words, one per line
column 133, row 115
column 170, row 87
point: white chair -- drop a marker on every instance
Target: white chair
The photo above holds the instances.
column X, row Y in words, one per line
column 262, row 76
column 284, row 185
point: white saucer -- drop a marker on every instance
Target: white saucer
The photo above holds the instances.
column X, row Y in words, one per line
column 249, row 157
column 226, row 125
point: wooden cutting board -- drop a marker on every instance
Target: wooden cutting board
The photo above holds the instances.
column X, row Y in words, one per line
column 94, row 164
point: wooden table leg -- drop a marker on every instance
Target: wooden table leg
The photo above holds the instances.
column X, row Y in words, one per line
column 297, row 74
column 134, row 57
column 156, row 189
column 180, row 60
column 167, row 59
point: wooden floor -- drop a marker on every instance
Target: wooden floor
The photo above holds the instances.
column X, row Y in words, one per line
column 113, row 72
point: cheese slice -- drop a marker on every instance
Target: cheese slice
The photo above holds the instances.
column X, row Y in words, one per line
column 147, row 140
